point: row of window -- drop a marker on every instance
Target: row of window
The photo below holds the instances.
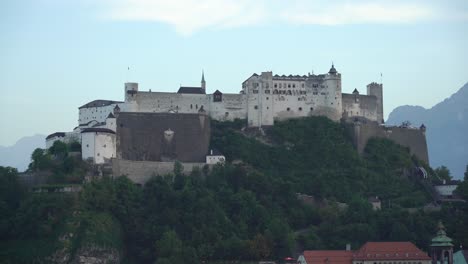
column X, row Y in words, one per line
column 281, row 85
column 287, row 109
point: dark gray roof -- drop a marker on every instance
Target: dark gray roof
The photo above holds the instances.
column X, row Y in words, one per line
column 98, row 129
column 110, row 115
column 217, row 92
column 56, row 134
column 332, row 70
column 191, row 90
column 355, row 91
column 99, row 103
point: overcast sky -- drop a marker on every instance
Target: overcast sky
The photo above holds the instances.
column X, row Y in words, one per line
column 57, row 55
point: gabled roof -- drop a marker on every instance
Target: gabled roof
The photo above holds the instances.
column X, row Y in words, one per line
column 191, row 90
column 390, row 251
column 99, row 103
column 355, row 91
column 328, row 256
column 217, row 92
column 110, row 115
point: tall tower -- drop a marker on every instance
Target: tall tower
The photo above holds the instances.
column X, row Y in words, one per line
column 376, row 89
column 203, row 83
column 441, row 247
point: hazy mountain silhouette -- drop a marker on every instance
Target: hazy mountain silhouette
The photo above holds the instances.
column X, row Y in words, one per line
column 19, row 155
column 447, row 129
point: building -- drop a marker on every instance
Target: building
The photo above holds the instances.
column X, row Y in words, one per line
column 446, row 188
column 369, row 253
column 441, row 247
column 263, row 99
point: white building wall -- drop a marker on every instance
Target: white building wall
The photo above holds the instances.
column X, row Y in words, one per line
column 445, row 190
column 99, row 114
column 68, row 138
column 98, row 146
column 215, row 159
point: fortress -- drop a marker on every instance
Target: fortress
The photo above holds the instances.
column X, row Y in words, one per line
column 263, row 99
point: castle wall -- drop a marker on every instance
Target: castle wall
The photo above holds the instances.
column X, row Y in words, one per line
column 100, row 147
column 414, row 139
column 99, row 114
column 141, row 171
column 357, row 105
column 163, row 136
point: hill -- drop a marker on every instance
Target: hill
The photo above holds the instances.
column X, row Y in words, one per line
column 246, row 210
column 19, row 155
column 447, row 126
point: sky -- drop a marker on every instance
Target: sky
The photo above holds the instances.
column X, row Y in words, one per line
column 57, row 55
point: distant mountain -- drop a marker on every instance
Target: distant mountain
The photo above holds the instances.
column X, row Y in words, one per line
column 19, row 155
column 447, row 129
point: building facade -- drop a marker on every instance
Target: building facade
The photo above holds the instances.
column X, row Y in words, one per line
column 263, row 99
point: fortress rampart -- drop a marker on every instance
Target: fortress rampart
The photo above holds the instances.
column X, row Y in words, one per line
column 413, row 138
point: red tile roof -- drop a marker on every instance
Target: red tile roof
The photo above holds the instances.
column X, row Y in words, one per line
column 328, row 256
column 390, row 251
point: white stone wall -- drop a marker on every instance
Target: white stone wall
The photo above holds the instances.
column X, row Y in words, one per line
column 215, row 159
column 98, row 146
column 445, row 190
column 98, row 114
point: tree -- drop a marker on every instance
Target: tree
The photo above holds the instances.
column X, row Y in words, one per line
column 443, row 173
column 59, row 149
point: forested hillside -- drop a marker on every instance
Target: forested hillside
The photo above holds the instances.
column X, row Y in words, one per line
column 245, row 210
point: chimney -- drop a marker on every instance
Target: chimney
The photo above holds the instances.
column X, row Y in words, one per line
column 348, row 247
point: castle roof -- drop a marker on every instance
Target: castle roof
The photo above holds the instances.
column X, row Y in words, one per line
column 56, row 134
column 332, row 70
column 191, row 90
column 217, row 92
column 98, row 129
column 99, row 103
column 355, row 91
column 110, row 115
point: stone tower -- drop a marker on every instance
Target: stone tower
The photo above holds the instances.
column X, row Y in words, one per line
column 376, row 89
column 441, row 247
column 203, row 83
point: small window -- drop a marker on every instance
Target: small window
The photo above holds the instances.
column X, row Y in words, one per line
column 98, row 154
column 191, row 106
column 256, row 107
column 267, row 98
column 276, row 85
column 289, row 85
column 196, row 106
column 302, row 85
column 311, row 109
column 255, row 91
column 300, row 108
column 288, row 109
column 294, row 86
column 87, row 145
column 267, row 91
column 104, row 145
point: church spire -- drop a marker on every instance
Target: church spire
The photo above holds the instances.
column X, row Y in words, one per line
column 203, row 83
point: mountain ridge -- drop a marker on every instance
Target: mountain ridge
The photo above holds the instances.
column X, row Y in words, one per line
column 18, row 155
column 446, row 123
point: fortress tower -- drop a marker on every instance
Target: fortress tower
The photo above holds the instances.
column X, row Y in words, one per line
column 376, row 89
column 203, row 83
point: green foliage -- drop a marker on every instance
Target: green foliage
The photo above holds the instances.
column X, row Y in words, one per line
column 443, row 173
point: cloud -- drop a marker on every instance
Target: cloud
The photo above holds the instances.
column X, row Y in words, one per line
column 190, row 16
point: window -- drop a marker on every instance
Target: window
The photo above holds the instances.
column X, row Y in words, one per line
column 256, row 107
column 289, row 85
column 267, row 91
column 315, row 93
column 255, row 91
column 294, row 86
column 191, row 106
column 300, row 108
column 87, row 145
column 288, row 109
column 302, row 85
column 311, row 109
column 267, row 98
column 196, row 106
column 104, row 145
column 276, row 85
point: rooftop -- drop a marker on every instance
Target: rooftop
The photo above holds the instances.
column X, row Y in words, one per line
column 390, row 251
column 99, row 103
column 328, row 256
column 191, row 90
